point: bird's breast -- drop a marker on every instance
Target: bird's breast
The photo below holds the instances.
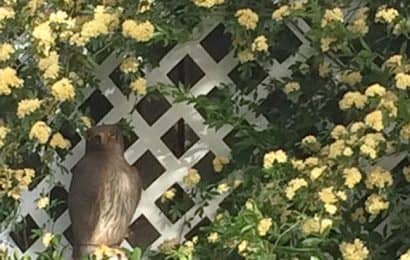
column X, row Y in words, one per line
column 115, row 207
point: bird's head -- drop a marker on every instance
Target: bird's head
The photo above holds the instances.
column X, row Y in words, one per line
column 104, row 137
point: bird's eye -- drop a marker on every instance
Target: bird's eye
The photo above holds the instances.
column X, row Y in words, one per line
column 96, row 140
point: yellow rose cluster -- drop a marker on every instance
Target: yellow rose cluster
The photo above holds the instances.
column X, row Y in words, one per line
column 247, row 18
column 291, row 87
column 405, row 132
column 354, row 251
column 329, row 197
column 379, row 178
column 6, row 13
column 168, row 195
column 260, row 44
column 139, row 86
column 208, row 3
column 192, row 178
column 293, row 186
column 103, row 252
column 58, row 141
column 352, row 177
column 129, row 65
column 263, row 226
column 331, row 16
column 49, row 65
column 63, row 90
column 270, row 158
column 353, row 99
column 9, row 80
column 376, row 203
column 351, row 78
column 316, row 225
column 386, row 15
column 104, row 21
column 40, row 131
column 358, row 25
column 285, row 10
column 3, row 134
column 139, row 31
column 14, row 181
column 219, row 162
column 6, row 50
column 27, row 106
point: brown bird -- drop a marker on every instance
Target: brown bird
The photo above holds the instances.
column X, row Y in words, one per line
column 104, row 192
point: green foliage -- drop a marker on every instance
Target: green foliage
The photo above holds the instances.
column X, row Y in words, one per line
column 352, row 46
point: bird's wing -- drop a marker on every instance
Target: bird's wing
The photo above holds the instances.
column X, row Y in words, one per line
column 137, row 184
column 135, row 198
column 85, row 192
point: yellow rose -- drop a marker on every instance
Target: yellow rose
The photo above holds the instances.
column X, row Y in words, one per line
column 386, row 15
column 129, row 65
column 139, row 31
column 247, row 18
column 58, row 141
column 270, row 158
column 293, row 186
column 260, row 44
column 192, row 178
column 9, row 80
column 353, row 99
column 40, row 131
column 354, row 251
column 375, row 120
column 332, row 15
column 168, row 195
column 402, row 80
column 3, row 133
column 49, row 65
column 326, row 42
column 139, row 86
column 207, row 3
column 47, row 238
column 245, row 56
column 86, row 121
column 375, row 204
column 281, row 13
column 375, row 90
column 327, row 195
column 352, row 176
column 379, row 178
column 291, row 87
column 6, row 50
column 63, row 90
column 213, row 237
column 264, row 226
column 223, row 188
column 27, row 106
column 406, row 255
column 43, row 202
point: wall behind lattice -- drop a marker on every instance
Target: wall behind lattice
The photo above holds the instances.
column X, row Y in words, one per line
column 168, row 138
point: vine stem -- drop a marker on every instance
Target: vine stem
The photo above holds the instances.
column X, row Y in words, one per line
column 284, row 233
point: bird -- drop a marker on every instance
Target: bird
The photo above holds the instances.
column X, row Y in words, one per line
column 104, row 192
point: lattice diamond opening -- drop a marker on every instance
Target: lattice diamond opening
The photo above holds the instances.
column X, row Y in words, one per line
column 148, row 168
column 142, row 233
column 179, row 138
column 152, row 107
column 186, row 72
column 173, row 210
